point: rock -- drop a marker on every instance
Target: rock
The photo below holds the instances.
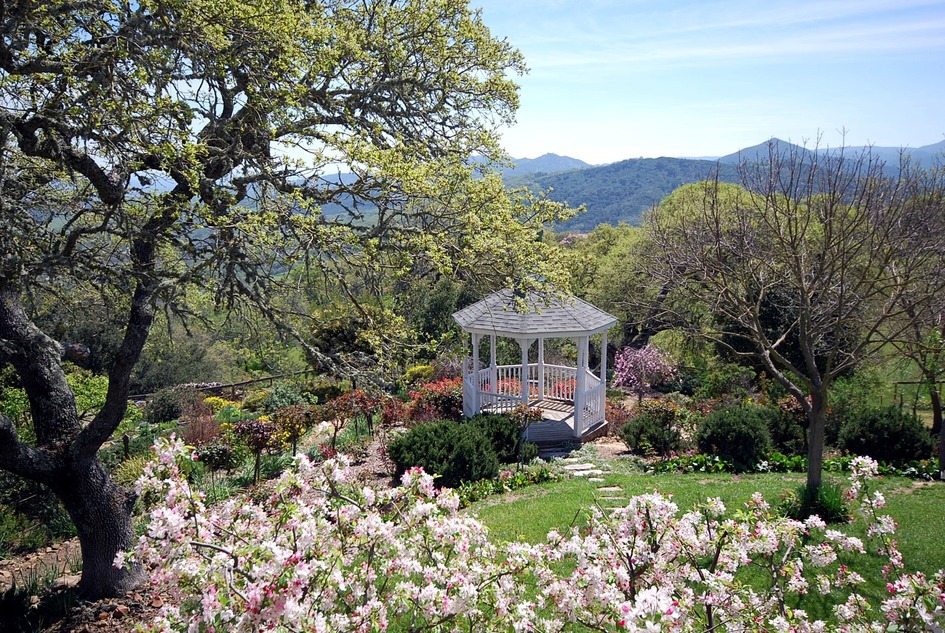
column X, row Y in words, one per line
column 66, row 582
column 610, row 489
column 587, row 473
column 585, row 466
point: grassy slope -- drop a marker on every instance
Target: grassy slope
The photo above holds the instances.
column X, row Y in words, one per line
column 919, row 507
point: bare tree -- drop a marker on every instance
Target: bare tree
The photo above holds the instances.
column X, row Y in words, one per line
column 824, row 242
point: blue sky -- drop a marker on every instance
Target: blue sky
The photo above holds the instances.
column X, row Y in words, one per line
column 611, row 80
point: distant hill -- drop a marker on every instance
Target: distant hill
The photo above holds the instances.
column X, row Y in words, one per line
column 546, row 164
column 623, row 191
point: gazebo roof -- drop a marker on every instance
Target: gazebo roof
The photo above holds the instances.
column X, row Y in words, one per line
column 546, row 317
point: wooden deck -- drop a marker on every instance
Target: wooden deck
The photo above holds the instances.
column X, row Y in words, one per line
column 557, row 425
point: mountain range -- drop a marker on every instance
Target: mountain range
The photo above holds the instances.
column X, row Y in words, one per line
column 623, row 191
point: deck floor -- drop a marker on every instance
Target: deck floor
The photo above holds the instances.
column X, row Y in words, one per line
column 556, row 426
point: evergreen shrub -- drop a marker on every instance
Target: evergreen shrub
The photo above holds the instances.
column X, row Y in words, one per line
column 457, row 452
column 888, row 434
column 654, row 428
column 736, row 432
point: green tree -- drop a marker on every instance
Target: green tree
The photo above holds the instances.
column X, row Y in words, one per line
column 835, row 240
column 153, row 146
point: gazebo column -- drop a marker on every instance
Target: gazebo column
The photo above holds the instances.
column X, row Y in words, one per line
column 580, row 385
column 541, row 369
column 476, row 381
column 493, row 374
column 524, row 343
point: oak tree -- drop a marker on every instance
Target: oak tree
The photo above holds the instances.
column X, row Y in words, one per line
column 151, row 146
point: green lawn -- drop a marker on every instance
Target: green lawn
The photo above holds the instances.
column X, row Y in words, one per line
column 918, row 507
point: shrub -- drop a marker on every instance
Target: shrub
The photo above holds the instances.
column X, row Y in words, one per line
column 440, row 400
column 738, row 433
column 889, row 434
column 282, row 395
column 253, row 401
column 725, row 381
column 456, row 452
column 393, row 412
column 257, row 435
column 616, row 415
column 830, row 504
column 165, row 405
column 418, row 373
column 325, row 388
column 219, row 455
column 504, row 434
column 293, row 422
column 200, row 427
column 787, row 425
column 654, row 428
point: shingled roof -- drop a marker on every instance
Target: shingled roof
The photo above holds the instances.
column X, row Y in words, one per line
column 546, row 317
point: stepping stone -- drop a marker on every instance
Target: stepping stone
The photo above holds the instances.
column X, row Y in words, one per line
column 610, row 489
column 586, row 473
column 612, row 498
column 570, row 460
column 597, row 480
column 585, row 466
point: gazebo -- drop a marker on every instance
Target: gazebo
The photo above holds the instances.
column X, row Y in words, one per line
column 571, row 398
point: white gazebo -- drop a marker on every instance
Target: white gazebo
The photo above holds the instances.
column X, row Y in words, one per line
column 571, row 398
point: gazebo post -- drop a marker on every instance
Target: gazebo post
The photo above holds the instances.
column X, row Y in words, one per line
column 477, row 383
column 524, row 343
column 603, row 359
column 580, row 386
column 493, row 377
column 541, row 369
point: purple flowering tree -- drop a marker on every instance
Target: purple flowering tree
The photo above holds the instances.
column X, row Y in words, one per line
column 641, row 369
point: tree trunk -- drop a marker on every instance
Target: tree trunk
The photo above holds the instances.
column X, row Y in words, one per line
column 101, row 511
column 936, row 409
column 817, row 415
column 938, row 427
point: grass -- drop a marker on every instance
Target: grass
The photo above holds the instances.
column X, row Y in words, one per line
column 918, row 507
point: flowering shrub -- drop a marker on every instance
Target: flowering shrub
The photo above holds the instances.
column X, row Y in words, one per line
column 641, row 369
column 440, row 400
column 563, row 389
column 506, row 387
column 523, row 415
column 293, row 422
column 216, row 403
column 322, row 554
column 394, row 412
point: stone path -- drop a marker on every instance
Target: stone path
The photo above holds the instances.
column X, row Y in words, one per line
column 609, row 498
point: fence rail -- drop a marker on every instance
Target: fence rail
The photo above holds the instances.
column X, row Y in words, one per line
column 234, row 385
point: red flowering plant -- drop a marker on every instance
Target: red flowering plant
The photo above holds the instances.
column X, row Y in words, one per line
column 564, row 389
column 354, row 406
column 438, row 400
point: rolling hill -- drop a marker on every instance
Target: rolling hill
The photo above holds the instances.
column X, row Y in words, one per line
column 623, row 191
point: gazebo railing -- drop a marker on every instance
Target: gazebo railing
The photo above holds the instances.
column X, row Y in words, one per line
column 499, row 390
column 594, row 398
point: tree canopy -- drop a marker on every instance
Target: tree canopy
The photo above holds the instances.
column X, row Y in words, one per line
column 803, row 270
column 152, row 146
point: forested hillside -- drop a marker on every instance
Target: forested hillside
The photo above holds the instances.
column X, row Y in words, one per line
column 622, row 192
